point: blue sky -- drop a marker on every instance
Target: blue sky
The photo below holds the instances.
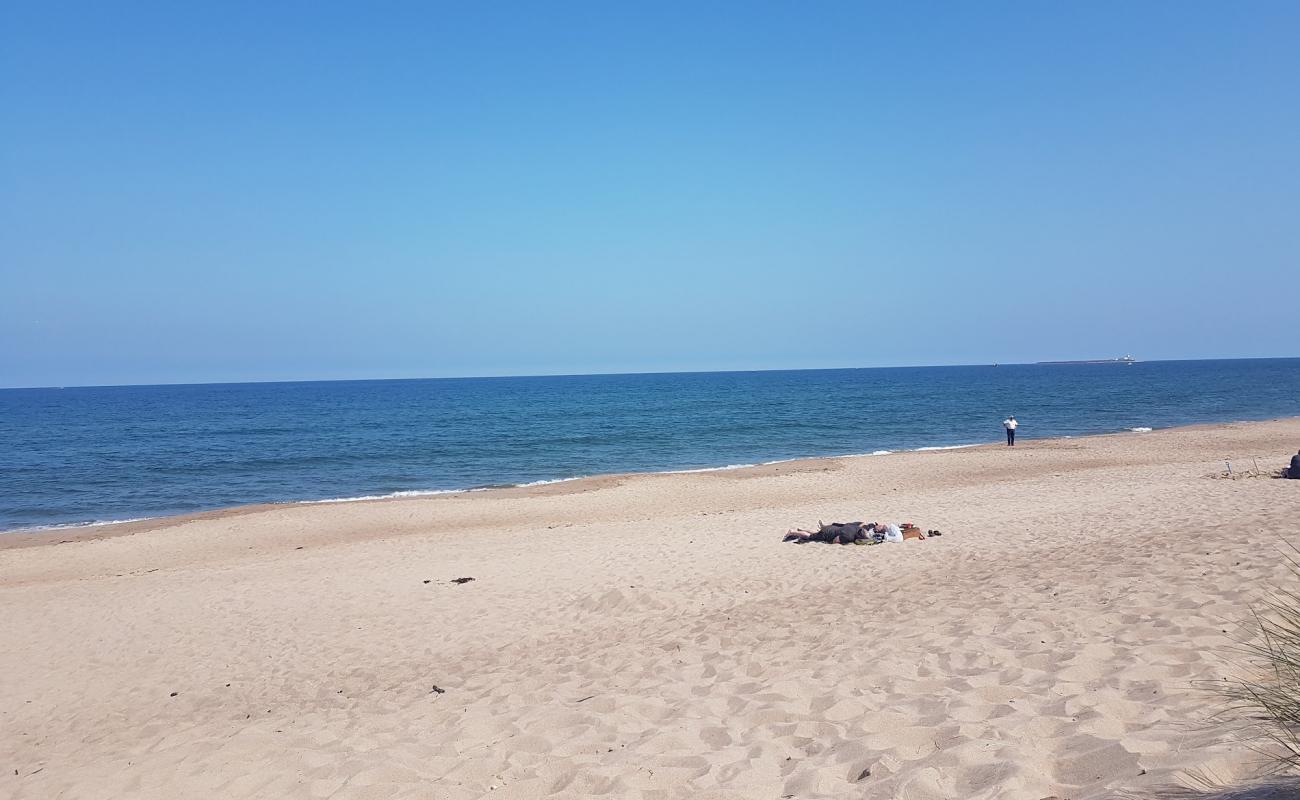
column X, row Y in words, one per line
column 310, row 190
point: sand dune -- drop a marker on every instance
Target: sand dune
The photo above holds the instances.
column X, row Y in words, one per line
column 651, row 637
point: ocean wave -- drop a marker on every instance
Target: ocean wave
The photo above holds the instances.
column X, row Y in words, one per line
column 1140, row 430
column 543, row 483
column 708, row 469
column 912, row 450
column 435, row 492
column 75, row 525
column 389, row 496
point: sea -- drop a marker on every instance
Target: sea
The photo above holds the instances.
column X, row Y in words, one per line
column 82, row 456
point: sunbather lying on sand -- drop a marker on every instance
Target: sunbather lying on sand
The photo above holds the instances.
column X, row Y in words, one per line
column 854, row 532
column 841, row 532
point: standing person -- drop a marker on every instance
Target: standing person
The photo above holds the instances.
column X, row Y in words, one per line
column 1010, row 424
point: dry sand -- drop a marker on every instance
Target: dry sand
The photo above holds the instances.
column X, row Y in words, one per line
column 651, row 637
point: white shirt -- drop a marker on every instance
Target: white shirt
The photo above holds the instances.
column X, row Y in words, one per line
column 1009, row 424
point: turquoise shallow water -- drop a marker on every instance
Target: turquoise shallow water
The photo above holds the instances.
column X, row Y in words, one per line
column 81, row 455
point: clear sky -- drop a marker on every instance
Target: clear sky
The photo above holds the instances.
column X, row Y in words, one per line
column 264, row 191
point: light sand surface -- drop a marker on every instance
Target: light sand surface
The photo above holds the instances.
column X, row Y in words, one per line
column 652, row 637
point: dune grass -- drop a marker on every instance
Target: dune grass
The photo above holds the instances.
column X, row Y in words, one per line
column 1266, row 696
column 1269, row 694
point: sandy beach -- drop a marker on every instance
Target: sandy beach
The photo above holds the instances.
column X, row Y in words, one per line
column 651, row 637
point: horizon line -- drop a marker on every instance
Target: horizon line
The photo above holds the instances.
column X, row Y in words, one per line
column 610, row 374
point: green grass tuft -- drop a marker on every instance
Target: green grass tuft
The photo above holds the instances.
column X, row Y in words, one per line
column 1269, row 697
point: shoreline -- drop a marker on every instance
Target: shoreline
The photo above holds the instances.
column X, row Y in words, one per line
column 89, row 531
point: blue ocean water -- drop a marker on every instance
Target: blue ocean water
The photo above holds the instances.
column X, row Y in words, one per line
column 81, row 455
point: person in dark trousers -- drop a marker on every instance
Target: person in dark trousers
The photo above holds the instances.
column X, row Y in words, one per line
column 1010, row 424
column 1294, row 471
column 842, row 532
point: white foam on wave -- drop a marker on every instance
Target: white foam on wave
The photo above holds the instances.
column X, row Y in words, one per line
column 913, row 450
column 389, row 496
column 709, row 469
column 435, row 492
column 1140, row 430
column 537, row 483
column 75, row 525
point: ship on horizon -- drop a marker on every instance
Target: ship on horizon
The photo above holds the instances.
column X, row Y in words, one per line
column 1121, row 360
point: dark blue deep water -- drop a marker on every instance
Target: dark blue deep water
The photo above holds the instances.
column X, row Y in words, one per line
column 79, row 455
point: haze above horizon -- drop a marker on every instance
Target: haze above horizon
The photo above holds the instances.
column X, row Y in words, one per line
column 253, row 193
